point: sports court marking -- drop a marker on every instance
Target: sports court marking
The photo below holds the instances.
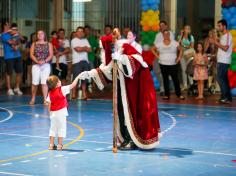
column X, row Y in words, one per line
column 45, row 151
column 16, row 174
column 7, row 118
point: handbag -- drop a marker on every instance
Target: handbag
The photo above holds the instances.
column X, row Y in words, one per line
column 189, row 53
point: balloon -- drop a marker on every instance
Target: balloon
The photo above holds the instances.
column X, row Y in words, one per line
column 227, row 16
column 233, row 68
column 232, row 10
column 234, row 49
column 155, row 28
column 145, row 7
column 224, row 11
column 233, row 21
column 150, row 12
column 154, row 7
column 234, row 55
column 233, row 92
column 144, row 2
column 150, row 23
column 146, row 28
column 233, row 32
column 232, row 78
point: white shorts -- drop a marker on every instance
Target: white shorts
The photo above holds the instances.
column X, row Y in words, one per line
column 58, row 124
column 40, row 73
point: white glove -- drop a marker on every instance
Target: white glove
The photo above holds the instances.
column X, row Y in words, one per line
column 116, row 56
column 84, row 75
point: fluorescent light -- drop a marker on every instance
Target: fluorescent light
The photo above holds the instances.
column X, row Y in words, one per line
column 82, row 0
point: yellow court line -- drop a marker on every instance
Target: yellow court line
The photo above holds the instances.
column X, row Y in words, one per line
column 45, row 151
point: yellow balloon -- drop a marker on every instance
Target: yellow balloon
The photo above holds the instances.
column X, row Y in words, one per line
column 233, row 32
column 150, row 12
column 150, row 23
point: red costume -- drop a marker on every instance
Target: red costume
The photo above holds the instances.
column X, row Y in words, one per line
column 58, row 100
column 106, row 45
column 137, row 104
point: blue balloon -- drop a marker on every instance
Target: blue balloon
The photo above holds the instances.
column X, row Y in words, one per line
column 145, row 7
column 227, row 16
column 151, row 2
column 232, row 10
column 154, row 7
column 233, row 27
column 233, row 92
column 144, row 2
column 155, row 81
column 233, row 21
column 224, row 11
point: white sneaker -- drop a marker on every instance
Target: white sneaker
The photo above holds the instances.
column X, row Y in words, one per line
column 18, row 91
column 10, row 92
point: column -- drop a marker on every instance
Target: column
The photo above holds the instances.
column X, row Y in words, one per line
column 58, row 14
column 170, row 13
column 217, row 11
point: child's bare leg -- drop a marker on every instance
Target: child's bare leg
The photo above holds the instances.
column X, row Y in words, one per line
column 60, row 145
column 51, row 145
column 201, row 89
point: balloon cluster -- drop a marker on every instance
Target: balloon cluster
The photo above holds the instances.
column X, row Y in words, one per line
column 149, row 20
column 229, row 14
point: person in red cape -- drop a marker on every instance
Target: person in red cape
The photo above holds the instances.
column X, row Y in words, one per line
column 138, row 122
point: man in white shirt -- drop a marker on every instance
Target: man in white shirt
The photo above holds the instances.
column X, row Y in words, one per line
column 158, row 39
column 223, row 60
column 80, row 48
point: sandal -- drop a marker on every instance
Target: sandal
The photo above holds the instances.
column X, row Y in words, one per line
column 59, row 147
column 52, row 147
column 45, row 103
column 199, row 98
column 32, row 102
column 181, row 97
column 166, row 98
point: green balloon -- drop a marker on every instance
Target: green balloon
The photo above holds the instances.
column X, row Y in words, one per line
column 233, row 67
column 234, row 56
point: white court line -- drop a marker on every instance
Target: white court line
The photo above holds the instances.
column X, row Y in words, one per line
column 173, row 122
column 25, row 161
column 166, row 130
column 11, row 173
column 9, row 117
column 198, row 108
column 99, row 149
column 43, row 158
column 72, row 153
column 5, row 164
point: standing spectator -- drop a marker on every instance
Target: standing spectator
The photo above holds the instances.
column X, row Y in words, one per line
column 200, row 69
column 105, row 45
column 166, row 51
column 24, row 58
column 125, row 32
column 80, row 48
column 61, row 55
column 186, row 40
column 69, row 58
column 29, row 61
column 225, row 46
column 94, row 45
column 41, row 53
column 12, row 56
column 211, row 50
column 156, row 67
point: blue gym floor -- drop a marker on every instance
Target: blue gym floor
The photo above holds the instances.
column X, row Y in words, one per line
column 197, row 141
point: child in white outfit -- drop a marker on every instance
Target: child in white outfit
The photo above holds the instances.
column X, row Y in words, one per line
column 58, row 109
